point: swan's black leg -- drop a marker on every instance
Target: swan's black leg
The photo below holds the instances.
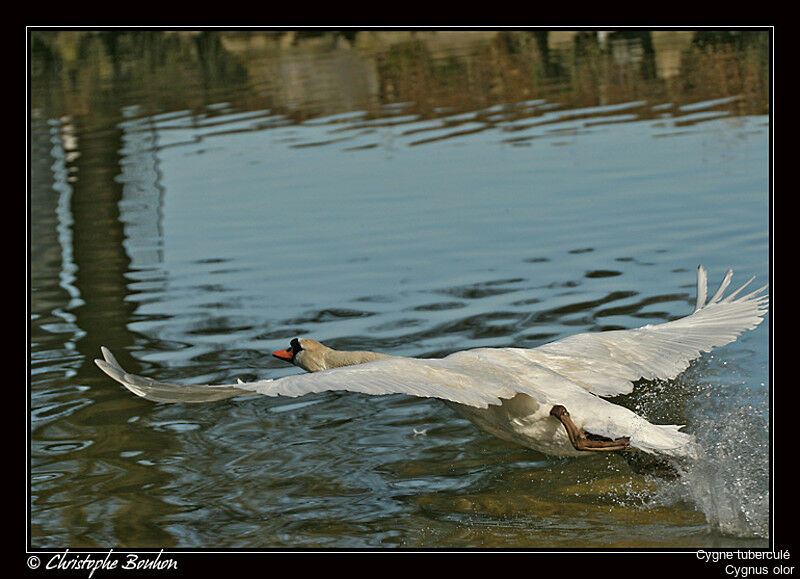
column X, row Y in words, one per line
column 582, row 440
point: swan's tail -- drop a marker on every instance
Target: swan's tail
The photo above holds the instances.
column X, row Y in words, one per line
column 665, row 439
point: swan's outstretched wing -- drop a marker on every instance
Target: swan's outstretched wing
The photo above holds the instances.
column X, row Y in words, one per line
column 475, row 377
column 478, row 378
column 607, row 363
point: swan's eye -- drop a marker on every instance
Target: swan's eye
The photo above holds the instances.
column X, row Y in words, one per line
column 295, row 345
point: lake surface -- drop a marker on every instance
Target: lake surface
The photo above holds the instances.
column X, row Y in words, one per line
column 198, row 200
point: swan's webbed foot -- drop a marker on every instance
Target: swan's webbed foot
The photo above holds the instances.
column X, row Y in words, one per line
column 583, row 440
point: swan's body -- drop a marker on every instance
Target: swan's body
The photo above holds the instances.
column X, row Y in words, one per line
column 512, row 392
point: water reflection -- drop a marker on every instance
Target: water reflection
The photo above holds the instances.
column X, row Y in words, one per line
column 433, row 74
column 198, row 197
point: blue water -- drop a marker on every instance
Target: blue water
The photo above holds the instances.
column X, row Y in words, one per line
column 409, row 225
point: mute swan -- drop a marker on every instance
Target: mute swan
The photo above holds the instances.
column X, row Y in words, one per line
column 549, row 398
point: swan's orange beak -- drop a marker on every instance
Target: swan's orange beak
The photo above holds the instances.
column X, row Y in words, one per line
column 285, row 355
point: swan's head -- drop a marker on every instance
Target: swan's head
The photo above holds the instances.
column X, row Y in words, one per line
column 304, row 353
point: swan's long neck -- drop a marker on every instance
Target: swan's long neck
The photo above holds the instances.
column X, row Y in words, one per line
column 326, row 358
column 337, row 359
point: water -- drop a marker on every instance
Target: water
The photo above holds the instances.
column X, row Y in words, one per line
column 198, row 201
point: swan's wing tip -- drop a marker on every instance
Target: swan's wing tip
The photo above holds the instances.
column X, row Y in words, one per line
column 109, row 357
column 165, row 391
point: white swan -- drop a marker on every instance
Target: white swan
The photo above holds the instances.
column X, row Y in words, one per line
column 548, row 398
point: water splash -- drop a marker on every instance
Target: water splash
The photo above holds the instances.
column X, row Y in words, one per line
column 729, row 483
column 728, row 413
